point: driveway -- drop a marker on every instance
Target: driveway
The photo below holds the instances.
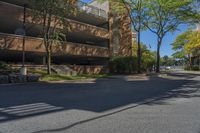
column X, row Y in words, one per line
column 130, row 104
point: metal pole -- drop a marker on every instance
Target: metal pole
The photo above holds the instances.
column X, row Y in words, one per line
column 24, row 28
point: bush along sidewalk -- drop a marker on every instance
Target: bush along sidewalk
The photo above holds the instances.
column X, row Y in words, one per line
column 128, row 65
column 192, row 68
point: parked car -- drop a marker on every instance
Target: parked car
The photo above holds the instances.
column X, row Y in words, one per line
column 167, row 68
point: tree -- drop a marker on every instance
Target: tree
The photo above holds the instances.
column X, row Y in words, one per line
column 193, row 42
column 178, row 46
column 165, row 16
column 165, row 60
column 136, row 11
column 51, row 15
column 137, row 14
column 196, row 8
column 185, row 44
column 168, row 61
column 149, row 57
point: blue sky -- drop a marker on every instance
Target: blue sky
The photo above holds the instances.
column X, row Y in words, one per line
column 150, row 39
column 166, row 49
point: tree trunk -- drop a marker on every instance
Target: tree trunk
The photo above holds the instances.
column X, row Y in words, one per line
column 48, row 46
column 139, row 54
column 158, row 56
column 49, row 63
column 190, row 61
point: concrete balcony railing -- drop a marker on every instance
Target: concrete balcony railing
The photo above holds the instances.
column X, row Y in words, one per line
column 88, row 29
column 14, row 12
column 14, row 43
column 92, row 10
column 82, row 6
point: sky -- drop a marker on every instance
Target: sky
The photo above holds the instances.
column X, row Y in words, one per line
column 166, row 49
column 149, row 38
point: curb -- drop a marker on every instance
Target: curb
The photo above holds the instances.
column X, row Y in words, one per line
column 10, row 84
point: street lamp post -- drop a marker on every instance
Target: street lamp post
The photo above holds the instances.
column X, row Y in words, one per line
column 23, row 70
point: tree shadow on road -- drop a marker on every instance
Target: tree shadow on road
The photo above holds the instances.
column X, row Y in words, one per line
column 101, row 96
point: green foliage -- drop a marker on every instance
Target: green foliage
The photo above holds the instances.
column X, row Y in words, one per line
column 6, row 69
column 179, row 55
column 164, row 16
column 186, row 43
column 136, row 11
column 121, row 64
column 181, row 40
column 51, row 15
column 127, row 65
column 117, row 5
column 148, row 58
column 195, row 68
column 3, row 66
column 168, row 61
column 193, row 42
column 57, row 77
column 192, row 68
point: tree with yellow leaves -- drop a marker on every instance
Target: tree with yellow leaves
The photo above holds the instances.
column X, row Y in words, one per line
column 193, row 42
column 186, row 44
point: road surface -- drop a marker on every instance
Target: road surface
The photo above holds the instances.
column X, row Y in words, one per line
column 130, row 104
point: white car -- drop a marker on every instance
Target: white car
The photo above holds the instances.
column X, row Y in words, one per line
column 167, row 68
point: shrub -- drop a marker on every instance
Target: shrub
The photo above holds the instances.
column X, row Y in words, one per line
column 124, row 65
column 127, row 65
column 187, row 68
column 3, row 65
column 195, row 68
column 5, row 68
column 147, row 63
column 192, row 68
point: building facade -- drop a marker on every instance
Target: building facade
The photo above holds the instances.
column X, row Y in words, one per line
column 96, row 34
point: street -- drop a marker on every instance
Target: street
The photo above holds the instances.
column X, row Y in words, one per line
column 168, row 103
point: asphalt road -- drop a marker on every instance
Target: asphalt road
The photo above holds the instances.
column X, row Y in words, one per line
column 165, row 104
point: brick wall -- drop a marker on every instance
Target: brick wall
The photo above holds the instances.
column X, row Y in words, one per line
column 123, row 44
